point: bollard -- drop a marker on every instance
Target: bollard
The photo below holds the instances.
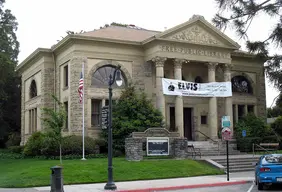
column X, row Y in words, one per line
column 56, row 179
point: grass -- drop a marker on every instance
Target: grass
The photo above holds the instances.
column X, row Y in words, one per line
column 34, row 172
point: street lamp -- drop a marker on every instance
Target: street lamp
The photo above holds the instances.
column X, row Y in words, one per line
column 115, row 78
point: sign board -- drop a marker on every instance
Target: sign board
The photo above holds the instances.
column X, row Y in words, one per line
column 186, row 88
column 225, row 121
column 105, row 117
column 157, row 146
column 226, row 133
column 244, row 133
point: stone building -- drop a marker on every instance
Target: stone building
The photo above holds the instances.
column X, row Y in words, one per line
column 193, row 51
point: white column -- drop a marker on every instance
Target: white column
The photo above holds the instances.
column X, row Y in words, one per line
column 228, row 100
column 213, row 116
column 245, row 109
column 178, row 100
column 160, row 100
column 236, row 113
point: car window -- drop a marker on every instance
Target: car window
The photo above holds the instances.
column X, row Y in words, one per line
column 272, row 159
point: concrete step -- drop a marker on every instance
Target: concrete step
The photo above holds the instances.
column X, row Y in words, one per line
column 241, row 170
column 237, row 160
column 236, row 163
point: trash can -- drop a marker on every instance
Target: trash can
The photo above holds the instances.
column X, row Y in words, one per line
column 56, row 179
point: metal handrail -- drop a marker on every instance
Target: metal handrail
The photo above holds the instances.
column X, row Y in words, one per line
column 259, row 147
column 210, row 139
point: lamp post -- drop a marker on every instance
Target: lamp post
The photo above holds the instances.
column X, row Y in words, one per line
column 115, row 78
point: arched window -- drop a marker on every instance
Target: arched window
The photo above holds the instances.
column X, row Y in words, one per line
column 198, row 79
column 101, row 77
column 33, row 89
column 241, row 84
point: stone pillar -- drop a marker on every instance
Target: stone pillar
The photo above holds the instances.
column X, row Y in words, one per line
column 178, row 100
column 213, row 116
column 160, row 100
column 236, row 113
column 180, row 148
column 228, row 100
column 255, row 110
column 245, row 110
column 133, row 149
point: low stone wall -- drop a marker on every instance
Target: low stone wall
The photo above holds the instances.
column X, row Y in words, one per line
column 134, row 144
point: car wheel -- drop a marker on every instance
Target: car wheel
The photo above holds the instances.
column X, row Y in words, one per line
column 260, row 186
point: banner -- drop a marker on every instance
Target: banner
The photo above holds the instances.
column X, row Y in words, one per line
column 185, row 88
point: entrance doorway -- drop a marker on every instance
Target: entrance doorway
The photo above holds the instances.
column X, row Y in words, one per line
column 187, row 121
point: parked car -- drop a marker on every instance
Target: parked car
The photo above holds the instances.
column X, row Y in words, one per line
column 268, row 170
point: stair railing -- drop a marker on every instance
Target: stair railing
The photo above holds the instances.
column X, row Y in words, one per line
column 254, row 145
column 207, row 137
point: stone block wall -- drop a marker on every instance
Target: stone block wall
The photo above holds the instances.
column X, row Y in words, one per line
column 75, row 106
column 261, row 96
column 133, row 149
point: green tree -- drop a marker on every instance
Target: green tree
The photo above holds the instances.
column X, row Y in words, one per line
column 55, row 121
column 133, row 112
column 9, row 83
column 240, row 14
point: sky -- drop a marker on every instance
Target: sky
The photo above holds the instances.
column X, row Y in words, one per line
column 43, row 22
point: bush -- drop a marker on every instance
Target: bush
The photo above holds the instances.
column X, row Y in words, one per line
column 254, row 126
column 245, row 144
column 133, row 112
column 16, row 149
column 33, row 145
column 40, row 144
column 14, row 139
column 277, row 126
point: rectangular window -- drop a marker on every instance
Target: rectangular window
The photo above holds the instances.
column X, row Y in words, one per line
column 96, row 106
column 32, row 120
column 66, row 76
column 67, row 113
column 204, row 120
column 251, row 109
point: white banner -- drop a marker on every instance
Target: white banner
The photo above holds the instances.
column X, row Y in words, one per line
column 185, row 88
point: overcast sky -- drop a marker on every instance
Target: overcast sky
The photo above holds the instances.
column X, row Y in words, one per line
column 43, row 22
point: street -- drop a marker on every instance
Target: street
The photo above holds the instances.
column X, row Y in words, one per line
column 249, row 187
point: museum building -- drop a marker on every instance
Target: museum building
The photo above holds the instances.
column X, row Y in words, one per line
column 194, row 51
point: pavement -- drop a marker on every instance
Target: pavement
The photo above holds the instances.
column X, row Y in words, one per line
column 177, row 184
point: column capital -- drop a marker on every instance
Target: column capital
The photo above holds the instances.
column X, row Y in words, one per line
column 211, row 66
column 227, row 67
column 178, row 62
column 159, row 61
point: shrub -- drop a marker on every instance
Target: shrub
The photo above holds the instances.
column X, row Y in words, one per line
column 33, row 145
column 133, row 112
column 16, row 149
column 14, row 139
column 277, row 126
column 40, row 144
column 254, row 126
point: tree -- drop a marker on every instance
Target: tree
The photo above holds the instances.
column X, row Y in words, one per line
column 9, row 83
column 54, row 121
column 241, row 13
column 132, row 112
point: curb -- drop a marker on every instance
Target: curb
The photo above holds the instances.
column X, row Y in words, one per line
column 187, row 186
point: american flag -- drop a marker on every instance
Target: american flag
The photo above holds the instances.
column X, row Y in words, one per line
column 80, row 87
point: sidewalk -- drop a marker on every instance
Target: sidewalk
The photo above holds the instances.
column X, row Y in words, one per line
column 160, row 184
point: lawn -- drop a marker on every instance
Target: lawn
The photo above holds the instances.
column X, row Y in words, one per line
column 34, row 172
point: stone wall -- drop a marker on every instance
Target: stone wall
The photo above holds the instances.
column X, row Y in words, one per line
column 261, row 97
column 75, row 106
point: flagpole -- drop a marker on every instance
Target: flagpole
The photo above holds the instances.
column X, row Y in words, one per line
column 83, row 152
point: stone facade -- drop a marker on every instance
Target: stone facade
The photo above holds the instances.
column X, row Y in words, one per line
column 194, row 49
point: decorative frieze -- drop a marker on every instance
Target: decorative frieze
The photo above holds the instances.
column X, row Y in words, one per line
column 194, row 51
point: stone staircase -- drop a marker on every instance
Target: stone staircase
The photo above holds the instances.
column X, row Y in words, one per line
column 210, row 148
column 238, row 164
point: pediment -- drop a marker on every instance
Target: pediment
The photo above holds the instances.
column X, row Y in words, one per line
column 198, row 31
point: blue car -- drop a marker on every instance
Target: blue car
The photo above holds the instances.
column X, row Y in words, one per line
column 268, row 170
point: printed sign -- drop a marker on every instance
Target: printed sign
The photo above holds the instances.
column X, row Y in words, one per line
column 225, row 121
column 185, row 88
column 157, row 146
column 105, row 117
column 244, row 133
column 226, row 133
